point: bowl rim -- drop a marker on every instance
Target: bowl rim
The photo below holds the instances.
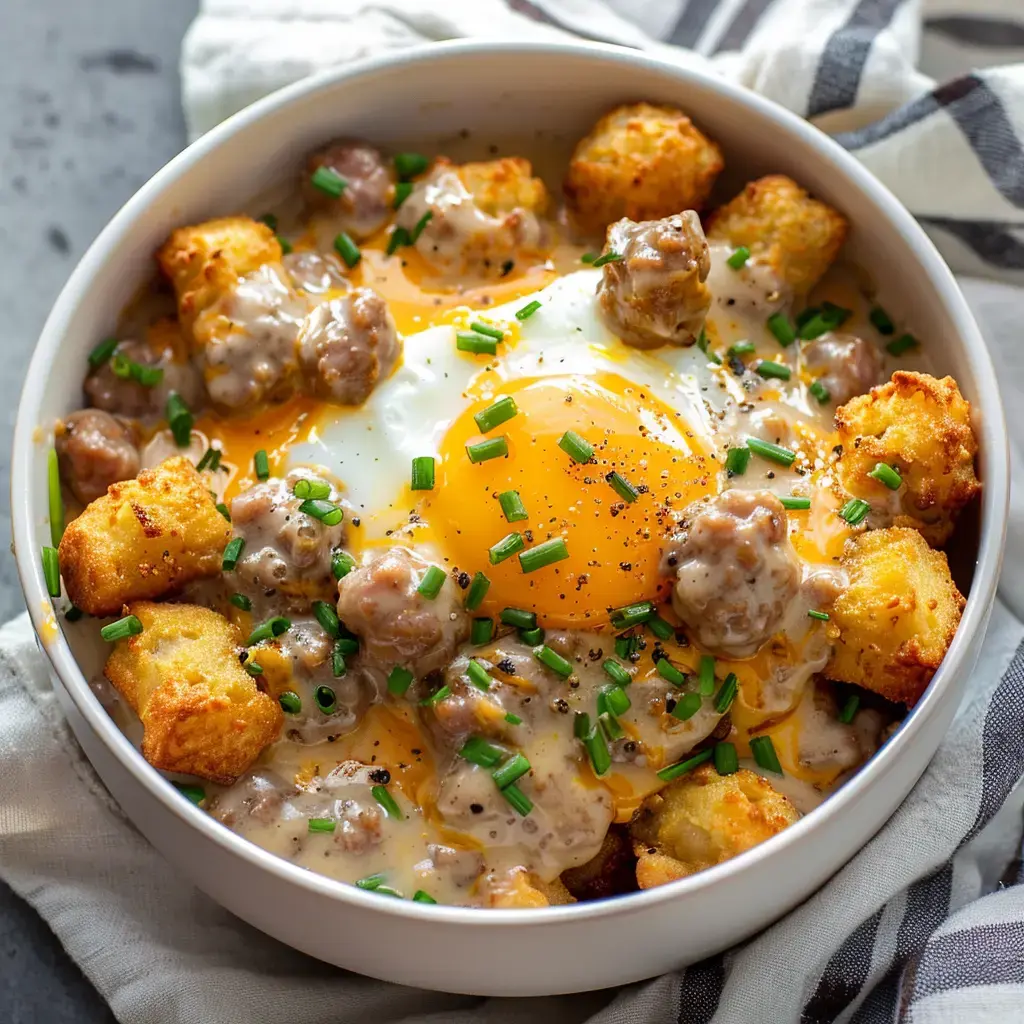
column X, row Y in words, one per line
column 26, row 540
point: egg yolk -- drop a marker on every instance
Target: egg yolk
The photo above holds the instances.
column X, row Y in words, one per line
column 615, row 547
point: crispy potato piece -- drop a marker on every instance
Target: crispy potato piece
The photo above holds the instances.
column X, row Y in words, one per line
column 781, row 224
column 704, row 819
column 500, row 186
column 522, row 889
column 895, row 620
column 610, row 872
column 142, row 539
column 203, row 261
column 922, row 427
column 203, row 714
column 643, row 162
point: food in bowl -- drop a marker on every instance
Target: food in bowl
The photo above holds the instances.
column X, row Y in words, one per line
column 470, row 561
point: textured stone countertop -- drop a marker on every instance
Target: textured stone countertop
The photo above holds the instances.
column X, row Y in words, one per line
column 90, row 111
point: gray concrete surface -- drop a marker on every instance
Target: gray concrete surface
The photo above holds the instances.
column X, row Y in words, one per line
column 89, row 109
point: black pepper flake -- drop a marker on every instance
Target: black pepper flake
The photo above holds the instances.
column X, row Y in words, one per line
column 507, row 267
column 463, row 580
column 380, row 776
column 507, row 665
column 357, row 521
column 477, row 808
column 561, row 706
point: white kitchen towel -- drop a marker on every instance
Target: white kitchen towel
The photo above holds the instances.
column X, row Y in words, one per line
column 924, row 924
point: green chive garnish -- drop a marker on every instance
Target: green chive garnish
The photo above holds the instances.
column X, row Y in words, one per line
column 739, row 257
column 342, row 564
column 439, row 695
column 764, row 754
column 56, row 502
column 484, row 451
column 326, row 511
column 660, row 628
column 387, row 801
column 315, row 489
column 338, row 666
column 519, row 618
column 820, row 392
column 589, row 257
column 347, row 249
column 398, row 239
column 494, row 415
column 102, row 352
column 726, row 760
column 241, row 601
column 687, row 706
column 420, row 225
column 506, row 548
column 419, row 896
column 481, row 631
column 322, row 825
column 736, row 461
column 850, row 709
column 325, row 699
column 210, row 460
column 232, row 553
column 821, row 616
column 741, row 348
column 532, row 637
column 528, row 310
column 548, row 553
column 576, row 447
column 402, row 192
column 487, row 330
column 478, row 675
column 371, row 882
column 855, row 511
column 611, row 256
column 771, row 452
column 122, row 629
column 128, row 369
column 673, row 771
column 270, row 220
column 179, row 419
column 477, row 592
column 706, row 675
column 886, row 475
column 325, row 614
column 554, row 661
column 581, row 725
column 254, row 668
column 610, row 726
column 769, row 369
column 780, row 326
column 615, row 697
column 399, row 681
column 291, row 702
column 513, row 719
column 261, row 464
column 479, row 751
column 470, row 341
column 329, row 182
column 882, row 321
column 726, row 693
column 518, row 799
column 286, row 246
column 189, row 790
column 632, row 614
column 514, row 768
column 616, row 672
column 670, row 673
column 794, row 503
column 512, row 505
column 51, row 571
column 622, row 487
column 268, row 630
column 904, row 343
column 223, row 510
column 597, row 749
column 704, row 345
column 408, row 165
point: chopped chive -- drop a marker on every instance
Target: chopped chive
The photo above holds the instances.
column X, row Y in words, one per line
column 726, row 693
column 286, row 246
column 347, row 249
column 904, row 343
column 769, row 369
column 347, row 645
column 882, row 321
column 726, row 760
column 322, row 825
column 325, row 699
column 622, row 487
column 528, row 310
column 484, row 451
column 232, row 553
column 771, row 452
column 850, row 708
column 387, row 801
column 780, row 326
column 704, row 345
column 402, row 192
column 470, row 341
column 512, row 770
column 420, row 896
column 325, row 614
column 54, row 498
column 616, row 672
column 399, row 238
column 610, row 726
column 342, row 564
column 371, row 882
column 617, row 700
column 128, row 369
column 794, row 503
column 518, row 799
column 290, row 701
column 512, row 506
column 532, row 637
column 687, row 706
column 477, row 592
column 432, row 582
column 736, row 461
column 660, row 628
column 554, row 661
column 821, row 616
column 611, row 256
column 102, row 352
column 179, row 419
column 487, row 330
column 478, row 751
column 329, row 182
column 481, row 632
column 886, row 475
column 261, row 464
column 706, row 675
column 51, row 571
column 542, row 555
column 241, row 601
column 478, row 675
column 764, row 754
column 632, row 614
column 223, row 510
column 578, row 449
column 741, row 348
column 820, row 392
column 408, row 165
column 814, row 323
column 254, row 668
column 589, row 257
column 855, row 511
column 439, row 695
column 210, row 460
column 627, row 646
column 494, row 415
column 519, row 618
column 673, row 771
column 399, row 681
column 73, row 614
column 581, row 725
column 420, row 225
column 670, row 673
column 268, row 630
column 597, row 749
column 315, row 489
column 270, row 220
column 739, row 257
column 506, row 548
column 122, row 629
column 192, row 792
column 326, row 511
column 513, row 719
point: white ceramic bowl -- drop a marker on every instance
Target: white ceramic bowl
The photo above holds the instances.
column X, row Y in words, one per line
column 504, row 91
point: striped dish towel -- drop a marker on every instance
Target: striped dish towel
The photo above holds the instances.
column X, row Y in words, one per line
column 926, row 924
